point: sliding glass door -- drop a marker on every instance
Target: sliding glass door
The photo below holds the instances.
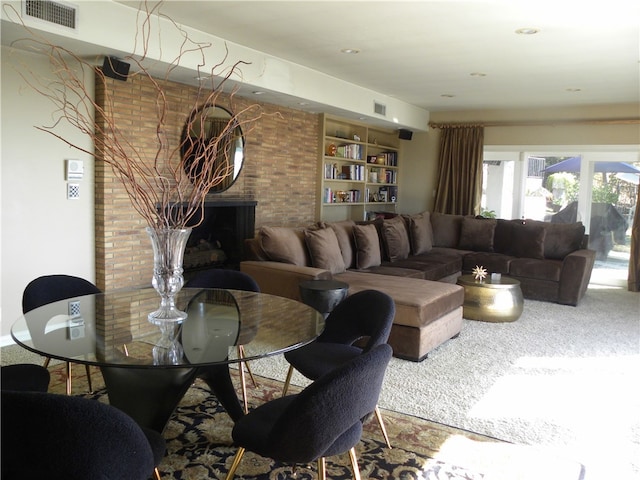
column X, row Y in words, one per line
column 597, row 188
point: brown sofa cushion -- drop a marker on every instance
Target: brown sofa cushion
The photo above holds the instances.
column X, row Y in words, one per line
column 282, row 244
column 562, row 238
column 324, row 250
column 502, row 237
column 396, row 238
column 528, row 240
column 446, row 229
column 344, row 234
column 477, row 234
column 367, row 246
column 420, row 233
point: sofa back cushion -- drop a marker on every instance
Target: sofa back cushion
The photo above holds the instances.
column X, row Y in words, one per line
column 367, row 246
column 476, row 234
column 286, row 245
column 396, row 238
column 527, row 240
column 420, row 233
column 446, row 229
column 561, row 238
column 502, row 236
column 324, row 250
column 344, row 234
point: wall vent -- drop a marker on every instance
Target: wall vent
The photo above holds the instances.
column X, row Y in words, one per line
column 379, row 108
column 62, row 14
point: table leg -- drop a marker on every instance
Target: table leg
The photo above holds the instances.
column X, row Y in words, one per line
column 149, row 396
column 219, row 380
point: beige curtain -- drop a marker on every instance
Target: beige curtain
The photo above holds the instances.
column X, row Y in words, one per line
column 634, row 259
column 459, row 189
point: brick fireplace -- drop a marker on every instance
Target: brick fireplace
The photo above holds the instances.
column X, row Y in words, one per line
column 278, row 176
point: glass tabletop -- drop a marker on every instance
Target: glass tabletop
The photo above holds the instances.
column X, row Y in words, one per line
column 111, row 329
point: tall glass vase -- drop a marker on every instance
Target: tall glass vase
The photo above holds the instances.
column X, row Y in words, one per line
column 168, row 253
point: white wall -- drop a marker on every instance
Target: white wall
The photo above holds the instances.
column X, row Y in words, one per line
column 41, row 231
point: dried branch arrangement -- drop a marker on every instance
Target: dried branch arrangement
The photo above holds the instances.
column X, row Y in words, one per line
column 169, row 189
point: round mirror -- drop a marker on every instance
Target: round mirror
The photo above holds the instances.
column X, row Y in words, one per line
column 203, row 128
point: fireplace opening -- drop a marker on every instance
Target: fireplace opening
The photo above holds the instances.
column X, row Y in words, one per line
column 218, row 241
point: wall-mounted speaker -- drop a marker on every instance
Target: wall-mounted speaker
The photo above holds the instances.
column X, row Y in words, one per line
column 404, row 134
column 114, row 68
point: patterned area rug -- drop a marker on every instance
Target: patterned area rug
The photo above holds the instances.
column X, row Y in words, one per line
column 199, row 445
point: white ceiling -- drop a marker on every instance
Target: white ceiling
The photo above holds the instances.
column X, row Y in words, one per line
column 585, row 53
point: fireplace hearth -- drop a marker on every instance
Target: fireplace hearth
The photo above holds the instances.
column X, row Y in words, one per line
column 218, row 241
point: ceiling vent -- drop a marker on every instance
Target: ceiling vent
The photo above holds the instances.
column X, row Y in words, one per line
column 58, row 13
column 379, row 108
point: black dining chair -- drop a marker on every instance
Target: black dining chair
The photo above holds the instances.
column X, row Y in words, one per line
column 356, row 325
column 323, row 420
column 24, row 377
column 52, row 288
column 233, row 280
column 45, row 435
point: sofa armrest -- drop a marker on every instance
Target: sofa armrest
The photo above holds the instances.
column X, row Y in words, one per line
column 575, row 276
column 282, row 279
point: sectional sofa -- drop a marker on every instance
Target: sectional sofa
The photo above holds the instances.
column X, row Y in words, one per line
column 417, row 258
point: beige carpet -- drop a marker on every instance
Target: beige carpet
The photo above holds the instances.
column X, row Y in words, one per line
column 561, row 378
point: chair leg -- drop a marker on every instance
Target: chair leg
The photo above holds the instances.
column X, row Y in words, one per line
column 46, row 362
column 68, row 378
column 382, row 427
column 287, row 381
column 246, row 364
column 243, row 385
column 322, row 471
column 234, row 465
column 86, row 367
column 156, row 474
column 354, row 463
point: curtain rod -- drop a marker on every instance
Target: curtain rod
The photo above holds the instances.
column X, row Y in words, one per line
column 544, row 123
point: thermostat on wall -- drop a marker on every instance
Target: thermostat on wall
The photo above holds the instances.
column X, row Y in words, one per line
column 75, row 169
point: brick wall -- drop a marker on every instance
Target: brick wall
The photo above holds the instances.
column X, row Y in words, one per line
column 279, row 172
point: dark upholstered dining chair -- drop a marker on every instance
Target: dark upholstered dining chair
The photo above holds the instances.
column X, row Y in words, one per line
column 52, row 288
column 24, row 377
column 323, row 420
column 365, row 316
column 45, row 435
column 233, row 280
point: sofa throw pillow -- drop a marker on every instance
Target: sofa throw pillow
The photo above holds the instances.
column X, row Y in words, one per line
column 420, row 233
column 477, row 234
column 528, row 240
column 286, row 245
column 396, row 238
column 324, row 250
column 502, row 236
column 446, row 229
column 344, row 234
column 367, row 246
column 562, row 238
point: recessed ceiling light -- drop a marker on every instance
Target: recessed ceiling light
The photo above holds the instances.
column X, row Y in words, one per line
column 350, row 50
column 258, row 92
column 527, row 31
column 478, row 74
column 202, row 77
column 574, row 89
column 302, row 104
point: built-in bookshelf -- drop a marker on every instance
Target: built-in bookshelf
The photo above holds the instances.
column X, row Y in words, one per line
column 359, row 167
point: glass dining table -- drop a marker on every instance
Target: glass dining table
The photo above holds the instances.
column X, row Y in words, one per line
column 147, row 368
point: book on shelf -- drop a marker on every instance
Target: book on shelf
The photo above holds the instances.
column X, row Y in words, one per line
column 353, row 172
column 390, row 159
column 352, row 151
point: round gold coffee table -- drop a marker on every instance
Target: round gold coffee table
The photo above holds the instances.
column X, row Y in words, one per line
column 491, row 300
